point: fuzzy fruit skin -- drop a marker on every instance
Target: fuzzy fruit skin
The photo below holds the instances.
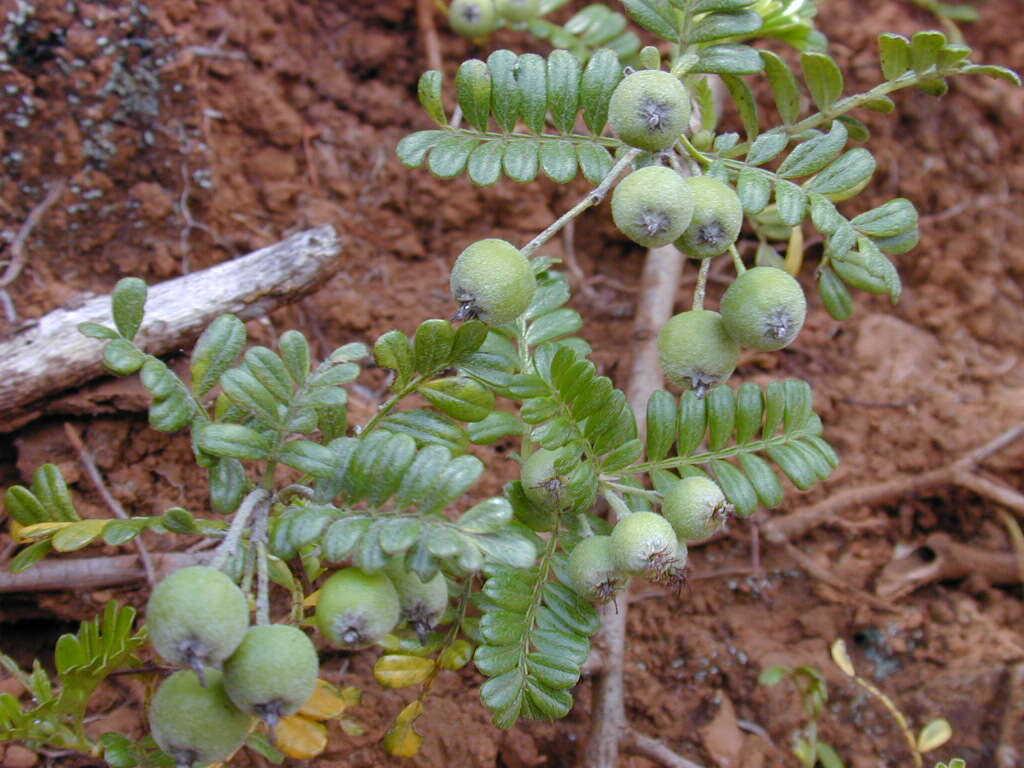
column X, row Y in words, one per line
column 518, row 10
column 652, row 206
column 493, row 281
column 764, row 308
column 542, row 484
column 644, row 542
column 717, row 218
column 196, row 725
column 694, row 507
column 472, row 18
column 649, row 109
column 273, row 672
column 695, row 350
column 422, row 604
column 197, row 616
column 592, row 570
column 357, row 609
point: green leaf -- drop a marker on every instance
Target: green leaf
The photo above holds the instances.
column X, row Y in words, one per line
column 179, row 520
column 455, row 479
column 1002, row 73
column 127, row 305
column 560, row 322
column 790, row 202
column 703, row 6
column 428, row 428
column 721, row 410
column 716, row 26
column 892, row 218
column 837, row 300
column 215, row 351
column 521, row 159
column 505, row 94
column 814, row 154
column 749, row 407
column 484, row 166
column 450, row 153
column 342, row 536
column 729, row 59
column 762, row 478
column 824, row 214
column 172, row 408
column 656, row 15
column 295, row 355
column 394, row 350
column 895, row 55
column 30, row 555
column 461, row 398
column 767, row 146
column 78, row 535
column 246, row 391
column 433, row 345
column 309, row 457
column 488, row 516
column 868, row 269
column 228, row 483
column 531, row 76
column 924, row 49
column 824, row 78
column 827, row 756
column 497, row 426
column 847, row 173
column 97, row 331
column 563, row 83
column 661, row 424
column 558, row 160
column 49, row 487
column 473, row 92
column 784, row 86
column 595, row 161
column 412, row 150
column 772, row 675
column 898, row 243
column 754, row 189
column 692, row 422
column 23, row 506
column 429, row 92
column 855, row 128
column 746, row 104
column 794, row 464
column 600, row 77
column 271, row 372
column 234, row 441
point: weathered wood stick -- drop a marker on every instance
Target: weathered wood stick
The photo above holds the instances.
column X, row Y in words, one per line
column 51, row 355
column 77, row 574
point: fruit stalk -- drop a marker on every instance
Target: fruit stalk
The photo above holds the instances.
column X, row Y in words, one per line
column 257, row 498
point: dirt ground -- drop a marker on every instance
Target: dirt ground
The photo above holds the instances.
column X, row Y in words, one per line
column 190, row 131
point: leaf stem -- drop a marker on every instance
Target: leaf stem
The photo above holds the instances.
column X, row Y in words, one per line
column 702, row 283
column 593, row 198
column 737, row 262
column 257, row 498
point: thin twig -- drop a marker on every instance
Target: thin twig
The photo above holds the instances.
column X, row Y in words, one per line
column 112, row 504
column 635, row 742
column 1007, row 753
column 257, row 497
column 823, row 574
column 428, row 32
column 17, row 262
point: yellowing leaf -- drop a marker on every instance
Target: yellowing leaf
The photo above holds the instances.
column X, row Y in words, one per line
column 411, row 711
column 456, row 655
column 842, row 658
column 351, row 695
column 311, row 600
column 78, row 535
column 403, row 741
column 934, row 735
column 325, row 703
column 395, row 671
column 300, row 738
column 26, row 533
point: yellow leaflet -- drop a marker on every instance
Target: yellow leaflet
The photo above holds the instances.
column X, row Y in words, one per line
column 26, row 533
column 78, row 534
column 325, row 703
column 403, row 741
column 395, row 671
column 456, row 655
column 300, row 738
column 311, row 600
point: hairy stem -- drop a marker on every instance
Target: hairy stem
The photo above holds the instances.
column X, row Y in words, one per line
column 258, row 497
column 701, row 286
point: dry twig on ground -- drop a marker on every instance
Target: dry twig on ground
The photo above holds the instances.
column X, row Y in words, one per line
column 17, row 250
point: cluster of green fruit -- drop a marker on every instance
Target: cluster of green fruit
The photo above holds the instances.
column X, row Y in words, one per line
column 477, row 18
column 198, row 618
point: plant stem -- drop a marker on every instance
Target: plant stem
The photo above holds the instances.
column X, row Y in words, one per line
column 389, row 406
column 258, row 497
column 701, row 286
column 737, row 262
column 593, row 198
column 258, row 545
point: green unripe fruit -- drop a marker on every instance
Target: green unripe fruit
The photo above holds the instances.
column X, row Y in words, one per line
column 695, row 507
column 518, row 10
column 644, row 543
column 493, row 281
column 357, row 609
column 422, row 604
column 541, row 482
column 196, row 724
column 717, row 218
column 273, row 672
column 649, row 109
column 652, row 206
column 592, row 570
column 472, row 18
column 197, row 617
column 764, row 308
column 696, row 352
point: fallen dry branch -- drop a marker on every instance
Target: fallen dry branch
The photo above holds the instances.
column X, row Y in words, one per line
column 654, row 750
column 1008, row 754
column 960, row 472
column 51, row 355
column 940, row 558
column 76, row 575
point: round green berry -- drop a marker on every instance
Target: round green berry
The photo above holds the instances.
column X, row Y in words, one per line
column 696, row 352
column 717, row 218
column 422, row 604
column 356, row 609
column 764, row 308
column 541, row 482
column 493, row 281
column 273, row 672
column 472, row 18
column 196, row 724
column 593, row 571
column 652, row 206
column 197, row 617
column 518, row 10
column 643, row 542
column 695, row 507
column 649, row 109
